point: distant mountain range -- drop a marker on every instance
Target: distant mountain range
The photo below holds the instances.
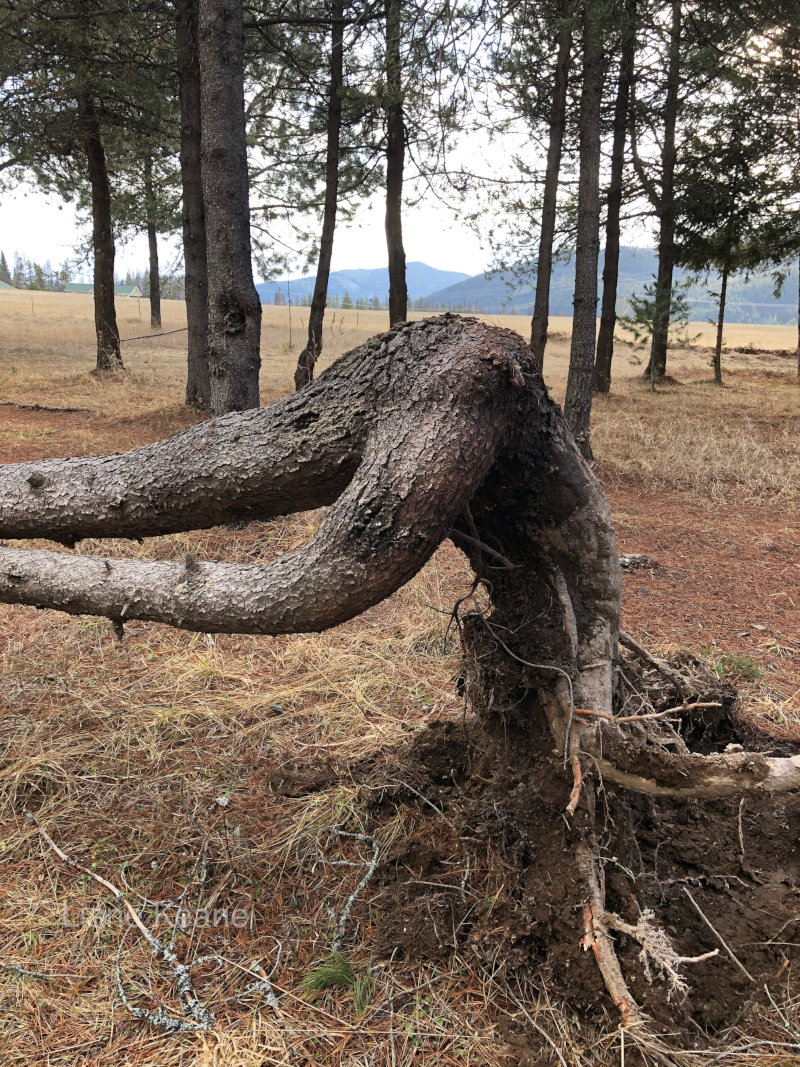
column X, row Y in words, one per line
column 749, row 299
column 361, row 285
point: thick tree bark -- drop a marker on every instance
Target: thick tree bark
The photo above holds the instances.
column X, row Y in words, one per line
column 310, row 354
column 234, row 308
column 437, row 429
column 198, row 384
column 558, row 122
column 395, row 162
column 152, row 241
column 608, row 311
column 723, row 294
column 657, row 365
column 578, row 403
column 109, row 356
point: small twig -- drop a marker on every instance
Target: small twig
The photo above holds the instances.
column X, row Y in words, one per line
column 477, row 543
column 425, row 800
column 718, row 936
column 202, row 1018
column 148, row 336
column 372, row 866
column 650, row 715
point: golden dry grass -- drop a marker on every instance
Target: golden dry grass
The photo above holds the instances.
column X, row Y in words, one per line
column 124, row 750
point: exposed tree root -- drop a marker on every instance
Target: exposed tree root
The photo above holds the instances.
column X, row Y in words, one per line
column 437, row 429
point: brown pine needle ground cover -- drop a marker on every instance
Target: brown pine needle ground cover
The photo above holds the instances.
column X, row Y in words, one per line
column 226, row 773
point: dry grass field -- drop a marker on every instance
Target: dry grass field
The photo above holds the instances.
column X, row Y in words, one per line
column 230, row 786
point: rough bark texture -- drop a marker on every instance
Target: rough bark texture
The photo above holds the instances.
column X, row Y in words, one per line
column 198, row 384
column 544, row 262
column 310, row 354
column 395, row 161
column 578, row 403
column 608, row 311
column 398, row 437
column 437, row 429
column 109, row 357
column 657, row 365
column 234, row 308
column 152, row 241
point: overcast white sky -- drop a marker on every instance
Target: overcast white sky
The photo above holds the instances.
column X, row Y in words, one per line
column 41, row 228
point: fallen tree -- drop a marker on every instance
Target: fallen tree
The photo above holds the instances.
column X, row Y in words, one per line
column 437, row 429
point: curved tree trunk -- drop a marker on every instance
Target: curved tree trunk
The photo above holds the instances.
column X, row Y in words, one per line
column 198, row 385
column 437, row 429
column 109, row 356
column 544, row 262
column 234, row 308
column 307, row 359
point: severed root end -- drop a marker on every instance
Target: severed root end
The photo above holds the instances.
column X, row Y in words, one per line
column 597, row 938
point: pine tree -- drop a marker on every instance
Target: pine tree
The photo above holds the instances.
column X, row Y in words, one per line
column 732, row 213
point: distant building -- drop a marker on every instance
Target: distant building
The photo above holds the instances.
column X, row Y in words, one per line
column 5, row 285
column 87, row 287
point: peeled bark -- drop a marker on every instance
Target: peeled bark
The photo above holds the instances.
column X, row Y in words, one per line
column 234, row 308
column 152, row 241
column 608, row 311
column 395, row 162
column 578, row 403
column 109, row 356
column 310, row 354
column 198, row 384
column 544, row 262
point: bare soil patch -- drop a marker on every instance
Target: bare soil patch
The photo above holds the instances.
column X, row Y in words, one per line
column 464, row 938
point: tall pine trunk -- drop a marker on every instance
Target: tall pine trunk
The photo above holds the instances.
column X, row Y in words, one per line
column 608, row 312
column 109, row 356
column 558, row 122
column 395, row 161
column 657, row 365
column 152, row 241
column 198, row 385
column 234, row 308
column 723, row 294
column 798, row 318
column 578, row 402
column 308, row 357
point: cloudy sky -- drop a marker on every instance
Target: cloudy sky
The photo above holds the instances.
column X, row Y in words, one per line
column 41, row 227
